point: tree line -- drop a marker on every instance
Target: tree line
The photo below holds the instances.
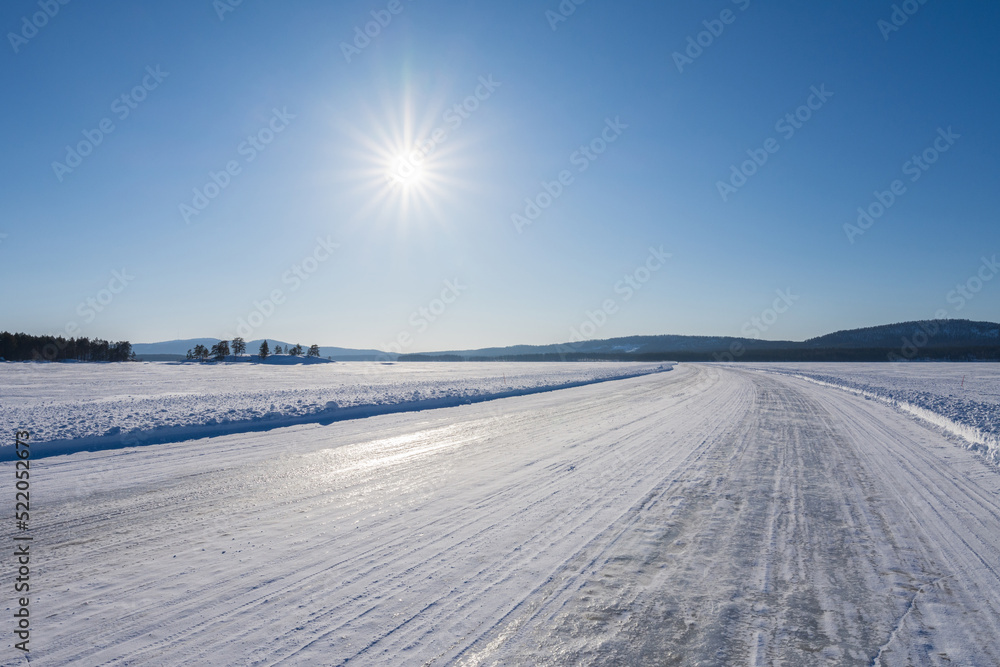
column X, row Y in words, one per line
column 25, row 347
column 219, row 351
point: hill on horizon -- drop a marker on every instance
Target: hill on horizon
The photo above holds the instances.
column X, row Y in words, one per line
column 927, row 335
column 938, row 333
column 934, row 334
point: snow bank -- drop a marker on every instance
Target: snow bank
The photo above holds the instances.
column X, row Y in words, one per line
column 961, row 398
column 76, row 407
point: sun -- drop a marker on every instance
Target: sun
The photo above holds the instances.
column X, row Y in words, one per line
column 407, row 170
column 406, row 162
column 413, row 171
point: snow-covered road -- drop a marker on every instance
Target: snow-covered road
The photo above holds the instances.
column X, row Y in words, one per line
column 708, row 515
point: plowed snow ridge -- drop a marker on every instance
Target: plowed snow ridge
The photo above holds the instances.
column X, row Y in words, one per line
column 90, row 407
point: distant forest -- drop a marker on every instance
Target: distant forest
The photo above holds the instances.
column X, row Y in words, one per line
column 25, row 347
column 957, row 353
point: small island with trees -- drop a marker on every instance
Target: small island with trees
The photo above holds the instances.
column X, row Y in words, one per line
column 235, row 350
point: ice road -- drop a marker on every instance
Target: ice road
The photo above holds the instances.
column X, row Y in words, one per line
column 707, row 515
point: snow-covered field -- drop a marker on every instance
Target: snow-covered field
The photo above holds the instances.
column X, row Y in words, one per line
column 86, row 406
column 962, row 398
column 711, row 515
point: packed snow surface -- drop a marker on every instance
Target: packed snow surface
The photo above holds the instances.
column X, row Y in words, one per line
column 73, row 406
column 710, row 515
column 963, row 398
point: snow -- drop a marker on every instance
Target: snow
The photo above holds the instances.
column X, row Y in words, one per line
column 709, row 515
column 275, row 359
column 72, row 407
column 962, row 398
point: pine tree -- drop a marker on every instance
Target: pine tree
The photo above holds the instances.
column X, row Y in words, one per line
column 264, row 351
column 295, row 351
column 220, row 350
column 239, row 346
column 313, row 351
column 277, row 349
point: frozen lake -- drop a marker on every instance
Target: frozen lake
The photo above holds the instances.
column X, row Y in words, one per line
column 706, row 515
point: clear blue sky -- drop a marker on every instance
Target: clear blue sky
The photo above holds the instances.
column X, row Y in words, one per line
column 343, row 128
